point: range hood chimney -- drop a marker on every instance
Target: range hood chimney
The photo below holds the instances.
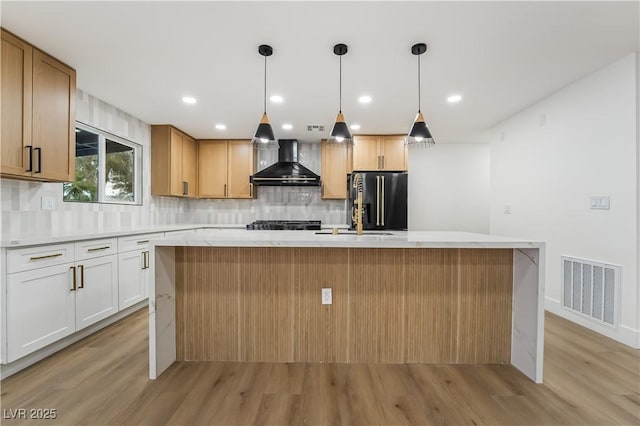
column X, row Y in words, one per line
column 287, row 171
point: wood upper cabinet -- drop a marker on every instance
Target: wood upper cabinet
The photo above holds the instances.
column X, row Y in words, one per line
column 173, row 162
column 38, row 114
column 334, row 170
column 386, row 152
column 224, row 168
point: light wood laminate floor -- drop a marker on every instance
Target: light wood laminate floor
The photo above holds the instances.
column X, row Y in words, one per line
column 588, row 380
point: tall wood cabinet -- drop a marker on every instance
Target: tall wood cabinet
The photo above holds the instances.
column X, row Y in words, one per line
column 173, row 162
column 335, row 166
column 384, row 152
column 38, row 114
column 224, row 168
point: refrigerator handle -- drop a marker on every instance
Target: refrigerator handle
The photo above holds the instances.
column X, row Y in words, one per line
column 383, row 201
column 377, row 200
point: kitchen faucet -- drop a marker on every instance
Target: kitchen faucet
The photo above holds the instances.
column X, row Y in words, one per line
column 357, row 217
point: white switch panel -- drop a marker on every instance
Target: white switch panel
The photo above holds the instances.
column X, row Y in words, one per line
column 600, row 203
column 507, row 209
column 327, row 298
column 48, row 202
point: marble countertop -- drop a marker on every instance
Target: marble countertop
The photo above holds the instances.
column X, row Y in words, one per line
column 382, row 239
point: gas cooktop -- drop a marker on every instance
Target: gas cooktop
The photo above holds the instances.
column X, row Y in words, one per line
column 285, row 225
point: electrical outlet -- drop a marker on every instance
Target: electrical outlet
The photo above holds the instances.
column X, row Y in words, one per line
column 48, row 202
column 507, row 209
column 600, row 203
column 327, row 298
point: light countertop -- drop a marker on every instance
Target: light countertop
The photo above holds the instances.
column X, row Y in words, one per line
column 393, row 239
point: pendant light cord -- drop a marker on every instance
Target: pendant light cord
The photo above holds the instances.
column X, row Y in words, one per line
column 419, row 90
column 340, row 102
column 265, row 84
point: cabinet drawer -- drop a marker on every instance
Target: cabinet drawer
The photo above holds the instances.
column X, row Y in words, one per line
column 95, row 248
column 24, row 259
column 136, row 242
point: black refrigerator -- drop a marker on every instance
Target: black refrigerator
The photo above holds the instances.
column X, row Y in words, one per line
column 384, row 200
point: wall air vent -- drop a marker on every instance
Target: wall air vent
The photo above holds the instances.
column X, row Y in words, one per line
column 315, row 127
column 591, row 289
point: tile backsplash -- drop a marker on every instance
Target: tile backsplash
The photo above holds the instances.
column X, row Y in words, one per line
column 21, row 213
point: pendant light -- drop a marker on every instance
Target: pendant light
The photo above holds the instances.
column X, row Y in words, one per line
column 340, row 132
column 264, row 138
column 419, row 135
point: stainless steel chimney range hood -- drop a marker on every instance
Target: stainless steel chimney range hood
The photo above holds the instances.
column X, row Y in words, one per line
column 287, row 171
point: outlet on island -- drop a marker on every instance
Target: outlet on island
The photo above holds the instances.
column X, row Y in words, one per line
column 327, row 298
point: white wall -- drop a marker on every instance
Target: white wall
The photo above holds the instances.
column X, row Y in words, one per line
column 548, row 160
column 449, row 188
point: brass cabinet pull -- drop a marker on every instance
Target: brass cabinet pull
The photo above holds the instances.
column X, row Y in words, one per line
column 81, row 269
column 184, row 188
column 39, row 150
column 142, row 242
column 322, row 190
column 30, row 148
column 383, row 203
column 45, row 257
column 144, row 260
column 251, row 190
column 99, row 248
column 73, row 274
column 225, row 189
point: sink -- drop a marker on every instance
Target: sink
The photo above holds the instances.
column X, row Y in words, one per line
column 354, row 233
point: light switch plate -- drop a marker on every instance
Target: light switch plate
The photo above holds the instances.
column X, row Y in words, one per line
column 327, row 298
column 507, row 209
column 600, row 202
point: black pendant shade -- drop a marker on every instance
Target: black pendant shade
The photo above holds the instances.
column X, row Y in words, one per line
column 419, row 135
column 340, row 132
column 264, row 137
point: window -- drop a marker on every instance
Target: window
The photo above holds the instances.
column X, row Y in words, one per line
column 108, row 169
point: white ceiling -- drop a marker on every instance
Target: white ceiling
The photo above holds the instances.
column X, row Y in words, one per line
column 144, row 57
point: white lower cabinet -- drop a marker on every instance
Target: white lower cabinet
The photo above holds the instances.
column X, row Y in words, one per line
column 97, row 290
column 41, row 308
column 133, row 277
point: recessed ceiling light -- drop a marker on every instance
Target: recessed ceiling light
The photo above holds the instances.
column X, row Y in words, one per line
column 221, row 126
column 454, row 98
column 364, row 99
column 189, row 100
column 355, row 127
column 287, row 126
column 276, row 99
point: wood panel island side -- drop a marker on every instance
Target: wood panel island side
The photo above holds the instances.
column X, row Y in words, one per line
column 409, row 297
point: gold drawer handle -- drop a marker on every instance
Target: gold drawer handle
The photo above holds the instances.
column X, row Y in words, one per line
column 99, row 248
column 46, row 257
column 143, row 242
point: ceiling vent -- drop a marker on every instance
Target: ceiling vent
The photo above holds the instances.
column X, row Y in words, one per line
column 315, row 127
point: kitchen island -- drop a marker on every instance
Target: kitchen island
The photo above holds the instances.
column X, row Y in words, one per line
column 403, row 297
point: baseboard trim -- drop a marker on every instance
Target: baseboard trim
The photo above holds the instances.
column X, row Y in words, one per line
column 623, row 334
column 12, row 368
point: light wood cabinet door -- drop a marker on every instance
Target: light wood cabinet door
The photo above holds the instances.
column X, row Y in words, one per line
column 392, row 150
column 54, row 115
column 334, row 171
column 175, row 158
column 97, row 291
column 174, row 162
column 40, row 308
column 189, row 166
column 239, row 169
column 366, row 155
column 16, row 96
column 212, row 168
